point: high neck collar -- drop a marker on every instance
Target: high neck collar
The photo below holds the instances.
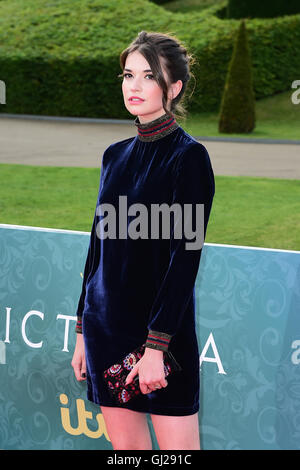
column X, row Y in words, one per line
column 156, row 129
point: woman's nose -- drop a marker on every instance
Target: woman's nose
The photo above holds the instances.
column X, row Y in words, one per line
column 136, row 84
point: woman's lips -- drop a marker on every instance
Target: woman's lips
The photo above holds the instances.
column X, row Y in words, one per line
column 136, row 101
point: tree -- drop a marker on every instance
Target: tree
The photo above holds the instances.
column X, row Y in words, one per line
column 237, row 110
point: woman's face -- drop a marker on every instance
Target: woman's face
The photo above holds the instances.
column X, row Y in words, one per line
column 139, row 82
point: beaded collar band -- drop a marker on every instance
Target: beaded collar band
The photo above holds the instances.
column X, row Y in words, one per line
column 156, row 129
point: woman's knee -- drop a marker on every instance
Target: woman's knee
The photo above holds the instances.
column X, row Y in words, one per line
column 127, row 429
column 177, row 432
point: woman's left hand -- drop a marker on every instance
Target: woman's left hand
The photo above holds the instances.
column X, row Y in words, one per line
column 150, row 369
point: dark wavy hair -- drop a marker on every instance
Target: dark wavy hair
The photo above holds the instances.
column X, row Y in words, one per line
column 164, row 48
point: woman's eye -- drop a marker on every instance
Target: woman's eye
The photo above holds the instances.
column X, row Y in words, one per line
column 148, row 75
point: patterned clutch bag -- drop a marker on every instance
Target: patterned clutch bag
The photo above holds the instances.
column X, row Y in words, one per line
column 115, row 376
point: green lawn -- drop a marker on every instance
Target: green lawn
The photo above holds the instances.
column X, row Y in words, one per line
column 276, row 118
column 247, row 211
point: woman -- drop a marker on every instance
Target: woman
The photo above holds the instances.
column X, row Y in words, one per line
column 141, row 290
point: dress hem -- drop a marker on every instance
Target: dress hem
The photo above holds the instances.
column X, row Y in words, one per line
column 165, row 411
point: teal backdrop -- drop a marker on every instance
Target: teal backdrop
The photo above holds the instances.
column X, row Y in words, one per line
column 248, row 327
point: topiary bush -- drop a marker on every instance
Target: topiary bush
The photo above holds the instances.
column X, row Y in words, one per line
column 237, row 113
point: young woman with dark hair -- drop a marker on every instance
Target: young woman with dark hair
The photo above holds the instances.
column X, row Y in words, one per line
column 141, row 290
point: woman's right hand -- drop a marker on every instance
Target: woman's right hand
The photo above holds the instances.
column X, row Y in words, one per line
column 78, row 362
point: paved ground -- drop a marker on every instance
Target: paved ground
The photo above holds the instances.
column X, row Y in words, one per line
column 82, row 143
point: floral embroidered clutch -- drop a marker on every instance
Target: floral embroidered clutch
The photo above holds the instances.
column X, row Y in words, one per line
column 115, row 376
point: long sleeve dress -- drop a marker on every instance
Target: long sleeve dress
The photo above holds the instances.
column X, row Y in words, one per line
column 140, row 289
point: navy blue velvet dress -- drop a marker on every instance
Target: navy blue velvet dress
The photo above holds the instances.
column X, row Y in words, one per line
column 141, row 290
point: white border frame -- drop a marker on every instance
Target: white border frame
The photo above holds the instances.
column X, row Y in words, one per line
column 44, row 229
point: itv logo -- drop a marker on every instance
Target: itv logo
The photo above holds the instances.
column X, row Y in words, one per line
column 81, row 423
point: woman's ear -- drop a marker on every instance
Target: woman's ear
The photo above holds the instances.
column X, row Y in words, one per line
column 175, row 89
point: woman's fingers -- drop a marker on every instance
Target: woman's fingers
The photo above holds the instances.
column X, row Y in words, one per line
column 79, row 365
column 131, row 375
column 76, row 367
column 79, row 370
column 156, row 386
column 78, row 361
column 145, row 389
column 83, row 370
column 148, row 364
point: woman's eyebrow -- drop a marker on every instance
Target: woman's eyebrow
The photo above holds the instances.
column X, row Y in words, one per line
column 147, row 70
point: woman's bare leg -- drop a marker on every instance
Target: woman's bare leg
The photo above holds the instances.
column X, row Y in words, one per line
column 177, row 432
column 127, row 429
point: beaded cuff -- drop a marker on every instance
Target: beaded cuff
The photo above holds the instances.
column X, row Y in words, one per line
column 78, row 327
column 158, row 340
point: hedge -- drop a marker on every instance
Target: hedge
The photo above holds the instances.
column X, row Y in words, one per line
column 61, row 57
column 262, row 9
